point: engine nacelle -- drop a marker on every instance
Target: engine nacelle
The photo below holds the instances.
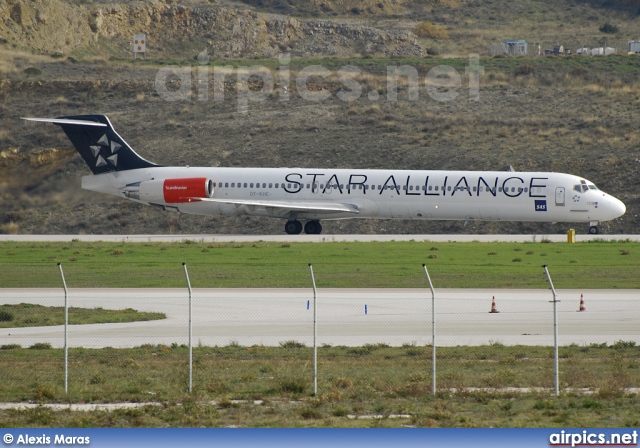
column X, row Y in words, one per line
column 171, row 191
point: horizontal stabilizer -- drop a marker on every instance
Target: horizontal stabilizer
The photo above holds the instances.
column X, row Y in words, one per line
column 65, row 121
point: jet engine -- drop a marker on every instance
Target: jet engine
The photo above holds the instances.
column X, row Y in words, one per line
column 170, row 191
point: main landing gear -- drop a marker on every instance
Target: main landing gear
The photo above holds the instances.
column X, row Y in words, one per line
column 295, row 227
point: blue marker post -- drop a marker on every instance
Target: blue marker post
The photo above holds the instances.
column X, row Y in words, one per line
column 308, row 304
column 366, row 309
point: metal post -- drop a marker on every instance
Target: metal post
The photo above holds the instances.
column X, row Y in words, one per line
column 186, row 273
column 315, row 333
column 433, row 331
column 555, row 332
column 66, row 324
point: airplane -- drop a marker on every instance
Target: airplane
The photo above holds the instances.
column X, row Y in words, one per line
column 314, row 194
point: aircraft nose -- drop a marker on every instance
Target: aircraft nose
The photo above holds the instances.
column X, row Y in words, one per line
column 619, row 208
column 616, row 207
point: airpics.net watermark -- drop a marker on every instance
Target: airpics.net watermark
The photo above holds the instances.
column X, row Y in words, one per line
column 442, row 82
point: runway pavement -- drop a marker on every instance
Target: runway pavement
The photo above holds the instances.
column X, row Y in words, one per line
column 393, row 316
column 556, row 238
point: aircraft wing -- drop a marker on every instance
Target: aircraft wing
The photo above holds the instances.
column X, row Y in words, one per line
column 310, row 206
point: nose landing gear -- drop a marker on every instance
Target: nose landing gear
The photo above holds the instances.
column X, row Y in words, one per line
column 594, row 229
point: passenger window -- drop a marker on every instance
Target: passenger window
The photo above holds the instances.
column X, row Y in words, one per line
column 270, row 185
column 245, row 185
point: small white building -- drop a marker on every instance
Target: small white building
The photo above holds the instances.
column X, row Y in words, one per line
column 514, row 48
column 634, row 46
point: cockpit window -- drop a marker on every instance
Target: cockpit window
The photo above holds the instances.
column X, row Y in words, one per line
column 592, row 187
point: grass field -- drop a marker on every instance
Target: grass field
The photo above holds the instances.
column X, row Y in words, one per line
column 272, row 386
column 31, row 315
column 367, row 386
column 597, row 265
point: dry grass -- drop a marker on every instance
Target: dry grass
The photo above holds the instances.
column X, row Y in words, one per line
column 431, row 31
column 10, row 228
column 13, row 61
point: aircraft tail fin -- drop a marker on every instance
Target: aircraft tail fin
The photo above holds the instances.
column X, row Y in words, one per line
column 98, row 143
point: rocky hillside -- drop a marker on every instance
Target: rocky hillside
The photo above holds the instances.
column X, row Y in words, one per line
column 56, row 26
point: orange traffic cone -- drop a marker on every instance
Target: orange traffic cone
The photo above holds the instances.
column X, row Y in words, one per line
column 582, row 307
column 493, row 305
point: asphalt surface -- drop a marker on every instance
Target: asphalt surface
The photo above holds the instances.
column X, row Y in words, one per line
column 393, row 316
column 314, row 238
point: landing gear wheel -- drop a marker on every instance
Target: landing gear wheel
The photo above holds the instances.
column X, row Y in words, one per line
column 594, row 230
column 313, row 227
column 293, row 227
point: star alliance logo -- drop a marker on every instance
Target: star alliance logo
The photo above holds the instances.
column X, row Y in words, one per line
column 576, row 198
column 110, row 147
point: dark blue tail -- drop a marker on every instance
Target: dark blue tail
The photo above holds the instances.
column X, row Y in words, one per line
column 100, row 146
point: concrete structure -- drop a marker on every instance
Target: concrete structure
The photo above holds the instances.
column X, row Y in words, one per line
column 515, row 48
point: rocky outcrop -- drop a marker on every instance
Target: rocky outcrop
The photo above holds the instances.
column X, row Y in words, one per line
column 176, row 30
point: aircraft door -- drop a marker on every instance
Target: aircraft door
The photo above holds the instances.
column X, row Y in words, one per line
column 560, row 196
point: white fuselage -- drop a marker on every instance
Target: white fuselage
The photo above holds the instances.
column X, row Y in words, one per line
column 435, row 195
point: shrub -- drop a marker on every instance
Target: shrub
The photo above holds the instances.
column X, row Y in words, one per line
column 293, row 385
column 41, row 346
column 623, row 344
column 10, row 228
column 6, row 316
column 292, row 344
column 525, row 69
column 32, row 71
column 609, row 28
column 431, row 30
column 10, row 346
